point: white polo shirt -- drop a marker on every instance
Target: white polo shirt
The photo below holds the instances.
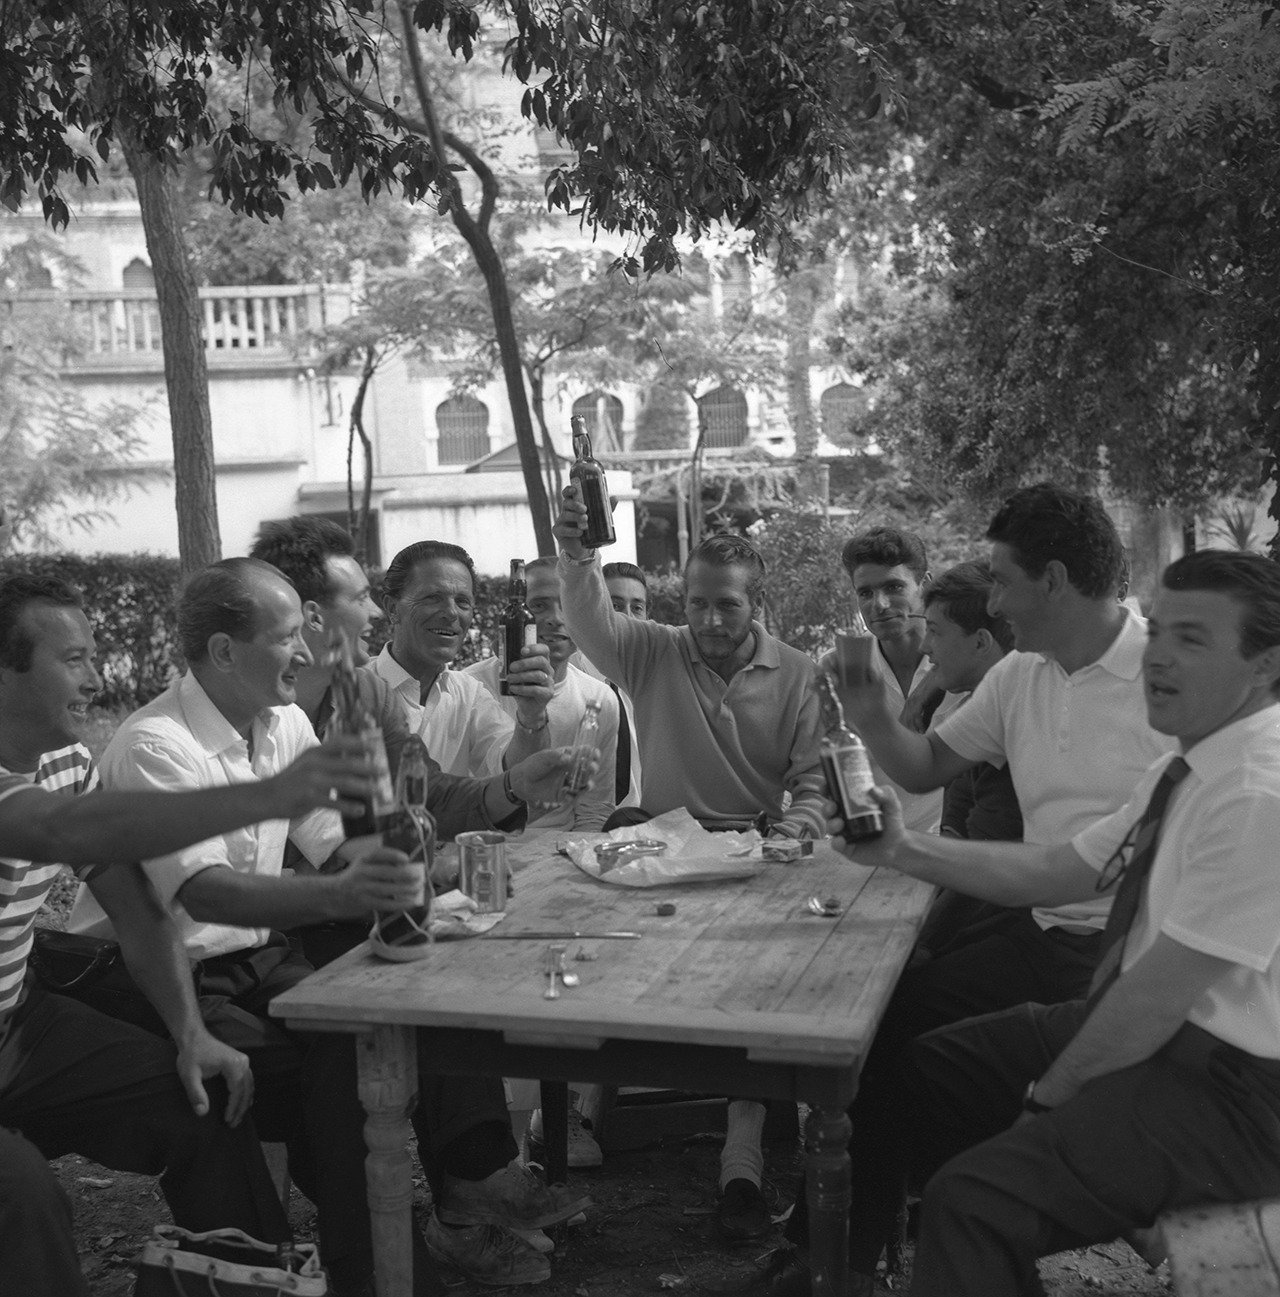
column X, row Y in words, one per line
column 460, row 722
column 1075, row 744
column 1215, row 883
column 180, row 742
column 568, row 704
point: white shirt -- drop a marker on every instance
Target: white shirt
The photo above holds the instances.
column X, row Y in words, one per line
column 584, row 663
column 569, row 700
column 1075, row 744
column 1215, row 882
column 461, row 723
column 179, row 742
column 921, row 811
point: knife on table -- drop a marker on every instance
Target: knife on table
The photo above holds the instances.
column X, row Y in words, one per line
column 558, row 936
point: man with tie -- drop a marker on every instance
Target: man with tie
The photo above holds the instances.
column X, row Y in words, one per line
column 1052, row 1127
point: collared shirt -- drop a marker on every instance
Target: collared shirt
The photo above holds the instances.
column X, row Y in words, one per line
column 723, row 749
column 179, row 742
column 568, row 703
column 1214, row 883
column 1075, row 744
column 922, row 811
column 23, row 884
column 460, row 721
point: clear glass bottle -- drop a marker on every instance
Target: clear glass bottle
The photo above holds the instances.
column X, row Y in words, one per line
column 518, row 626
column 848, row 769
column 403, row 935
column 589, row 475
column 351, row 716
column 577, row 779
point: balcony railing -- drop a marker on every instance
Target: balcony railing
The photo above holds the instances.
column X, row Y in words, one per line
column 241, row 322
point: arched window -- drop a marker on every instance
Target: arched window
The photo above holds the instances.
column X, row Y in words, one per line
column 137, row 274
column 463, row 425
column 602, row 413
column 725, row 413
column 841, row 408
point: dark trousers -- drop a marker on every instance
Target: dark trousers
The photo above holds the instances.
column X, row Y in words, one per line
column 36, row 1238
column 1009, row 962
column 1197, row 1122
column 304, row 1083
column 461, row 1122
column 76, row 1081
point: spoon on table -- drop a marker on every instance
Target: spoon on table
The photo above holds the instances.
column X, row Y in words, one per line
column 553, row 990
column 568, row 978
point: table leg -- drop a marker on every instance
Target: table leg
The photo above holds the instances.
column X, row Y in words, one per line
column 388, row 1079
column 555, row 1129
column 827, row 1186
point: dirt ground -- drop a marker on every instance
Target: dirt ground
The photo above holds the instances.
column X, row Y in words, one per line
column 649, row 1230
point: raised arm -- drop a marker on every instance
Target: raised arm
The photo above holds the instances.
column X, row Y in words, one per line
column 126, row 826
column 588, row 613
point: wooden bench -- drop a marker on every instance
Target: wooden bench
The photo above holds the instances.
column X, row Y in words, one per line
column 1219, row 1251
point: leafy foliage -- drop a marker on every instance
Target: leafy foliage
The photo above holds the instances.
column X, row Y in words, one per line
column 64, row 461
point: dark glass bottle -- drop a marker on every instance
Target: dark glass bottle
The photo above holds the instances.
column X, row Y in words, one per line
column 351, row 716
column 848, row 769
column 589, row 475
column 518, row 627
column 403, row 935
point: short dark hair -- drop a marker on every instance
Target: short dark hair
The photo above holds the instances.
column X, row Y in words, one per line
column 16, row 594
column 628, row 570
column 1249, row 579
column 401, row 568
column 962, row 593
column 888, row 547
column 545, row 561
column 1045, row 522
column 726, row 550
column 301, row 547
column 218, row 600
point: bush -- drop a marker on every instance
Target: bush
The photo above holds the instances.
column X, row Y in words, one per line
column 129, row 601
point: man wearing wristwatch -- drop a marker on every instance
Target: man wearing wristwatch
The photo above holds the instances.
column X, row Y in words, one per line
column 429, row 595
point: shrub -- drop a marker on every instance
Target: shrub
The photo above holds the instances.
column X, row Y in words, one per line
column 129, row 601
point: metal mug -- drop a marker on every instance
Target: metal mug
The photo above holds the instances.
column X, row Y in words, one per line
column 482, row 869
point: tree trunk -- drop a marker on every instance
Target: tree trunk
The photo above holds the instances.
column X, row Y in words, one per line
column 358, row 520
column 801, row 291
column 475, row 230
column 186, row 375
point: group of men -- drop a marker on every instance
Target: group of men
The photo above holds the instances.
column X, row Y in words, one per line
column 1040, row 1092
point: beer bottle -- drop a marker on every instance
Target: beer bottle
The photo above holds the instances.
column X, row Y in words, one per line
column 588, row 474
column 403, row 935
column 576, row 779
column 351, row 716
column 518, row 628
column 848, row 769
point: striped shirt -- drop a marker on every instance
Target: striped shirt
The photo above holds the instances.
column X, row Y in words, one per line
column 23, row 885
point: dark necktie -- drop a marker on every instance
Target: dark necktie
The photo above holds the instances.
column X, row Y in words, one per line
column 622, row 777
column 1124, row 905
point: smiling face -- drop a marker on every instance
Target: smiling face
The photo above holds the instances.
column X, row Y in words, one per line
column 719, row 610
column 890, row 599
column 349, row 607
column 958, row 656
column 264, row 668
column 543, row 599
column 628, row 596
column 1195, row 676
column 431, row 618
column 46, row 704
column 1022, row 600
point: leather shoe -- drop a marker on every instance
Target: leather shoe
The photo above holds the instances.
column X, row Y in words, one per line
column 742, row 1213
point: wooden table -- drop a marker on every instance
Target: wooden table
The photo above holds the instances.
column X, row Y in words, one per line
column 742, row 991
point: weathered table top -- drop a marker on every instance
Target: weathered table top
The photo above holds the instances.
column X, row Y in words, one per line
column 741, row 964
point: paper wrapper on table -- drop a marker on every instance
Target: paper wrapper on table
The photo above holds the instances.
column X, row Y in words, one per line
column 692, row 856
column 453, row 914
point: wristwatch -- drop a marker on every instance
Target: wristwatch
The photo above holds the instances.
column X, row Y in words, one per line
column 1029, row 1101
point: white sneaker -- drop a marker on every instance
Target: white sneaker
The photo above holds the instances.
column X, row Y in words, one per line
column 583, row 1149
